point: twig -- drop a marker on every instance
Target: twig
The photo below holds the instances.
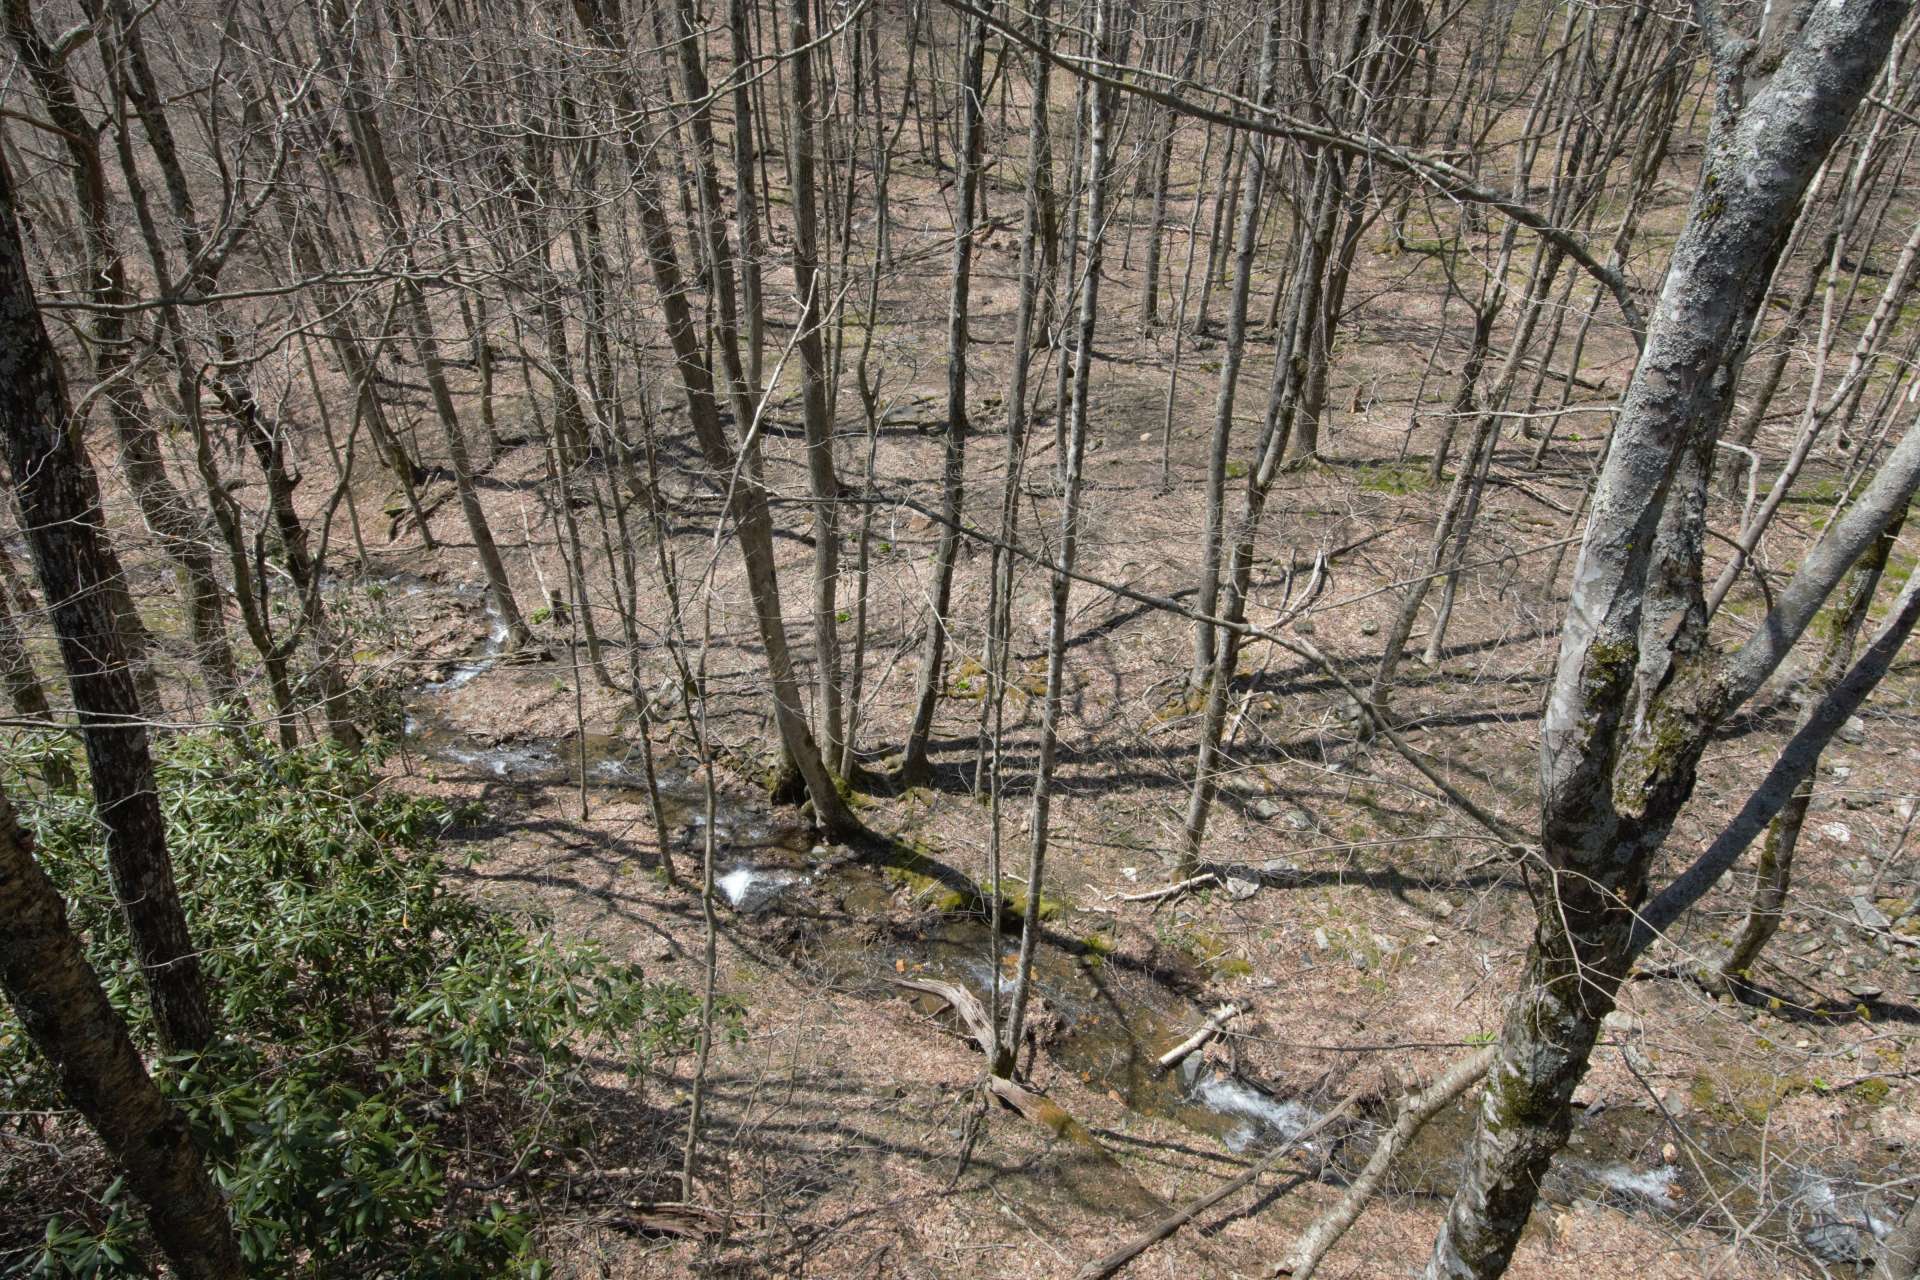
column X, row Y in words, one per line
column 1168, row 891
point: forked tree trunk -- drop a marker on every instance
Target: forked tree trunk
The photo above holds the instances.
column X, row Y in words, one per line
column 1612, row 781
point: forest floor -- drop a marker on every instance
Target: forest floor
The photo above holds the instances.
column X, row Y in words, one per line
column 842, row 1132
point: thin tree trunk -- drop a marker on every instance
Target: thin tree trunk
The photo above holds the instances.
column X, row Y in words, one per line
column 913, row 762
column 1100, row 105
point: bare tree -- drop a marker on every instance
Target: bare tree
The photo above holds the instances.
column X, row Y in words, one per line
column 1637, row 691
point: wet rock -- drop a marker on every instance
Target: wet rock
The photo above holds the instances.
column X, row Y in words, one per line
column 1834, row 1243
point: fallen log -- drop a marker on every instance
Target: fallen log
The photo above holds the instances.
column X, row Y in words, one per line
column 1414, row 1112
column 1106, row 1265
column 1212, row 1027
column 963, row 1002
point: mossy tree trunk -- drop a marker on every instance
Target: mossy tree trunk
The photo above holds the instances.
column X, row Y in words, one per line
column 1637, row 694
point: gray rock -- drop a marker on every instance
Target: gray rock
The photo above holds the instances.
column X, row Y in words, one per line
column 1240, row 890
column 1264, row 809
column 1834, row 1242
column 1320, row 940
column 1854, row 731
column 1620, row 1022
column 1869, row 916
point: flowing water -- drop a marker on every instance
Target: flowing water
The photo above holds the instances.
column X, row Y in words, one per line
column 1108, row 1022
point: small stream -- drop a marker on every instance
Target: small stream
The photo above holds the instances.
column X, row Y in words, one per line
column 855, row 926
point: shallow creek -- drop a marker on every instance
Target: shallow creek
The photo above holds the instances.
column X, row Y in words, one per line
column 1107, row 1022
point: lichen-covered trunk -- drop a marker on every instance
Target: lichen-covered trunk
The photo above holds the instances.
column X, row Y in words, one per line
column 1616, row 767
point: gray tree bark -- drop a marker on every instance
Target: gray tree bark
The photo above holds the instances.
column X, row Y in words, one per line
column 1631, row 708
column 966, row 185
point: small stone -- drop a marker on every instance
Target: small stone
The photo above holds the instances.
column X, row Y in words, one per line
column 1621, row 1022
column 1369, row 628
column 1431, row 940
column 1320, row 941
column 1836, row 832
column 1299, row 820
column 1304, row 627
column 1669, row 1152
column 1146, row 437
column 1360, row 960
column 1865, row 991
column 1240, row 890
column 1854, row 731
column 1443, row 908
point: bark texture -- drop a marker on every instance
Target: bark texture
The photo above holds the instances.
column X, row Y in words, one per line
column 60, row 512
column 1636, row 693
column 66, row 1014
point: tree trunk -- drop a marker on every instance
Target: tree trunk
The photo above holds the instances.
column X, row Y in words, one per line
column 1612, row 783
column 747, row 499
column 59, row 504
column 913, row 764
column 809, row 283
column 1100, row 105
column 1252, row 181
column 1774, row 874
column 66, row 1014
